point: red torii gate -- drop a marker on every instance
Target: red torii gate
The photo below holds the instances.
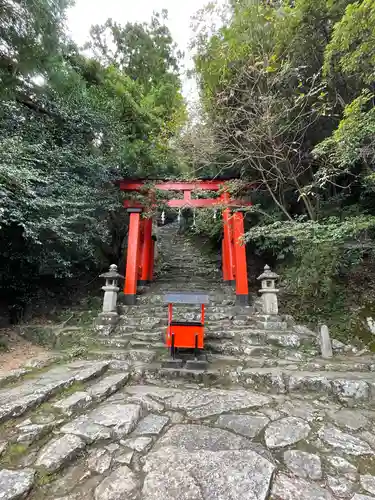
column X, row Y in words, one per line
column 140, row 256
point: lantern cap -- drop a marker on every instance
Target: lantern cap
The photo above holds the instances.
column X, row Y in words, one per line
column 112, row 273
column 268, row 274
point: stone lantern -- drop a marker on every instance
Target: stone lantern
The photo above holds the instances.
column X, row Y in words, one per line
column 111, row 289
column 269, row 291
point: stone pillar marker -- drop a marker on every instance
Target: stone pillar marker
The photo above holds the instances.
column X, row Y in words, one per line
column 109, row 314
column 269, row 291
column 325, row 342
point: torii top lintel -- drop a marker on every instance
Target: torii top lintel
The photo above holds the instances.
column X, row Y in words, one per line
column 187, row 187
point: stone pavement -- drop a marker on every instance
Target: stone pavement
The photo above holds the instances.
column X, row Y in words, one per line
column 96, row 430
column 268, row 420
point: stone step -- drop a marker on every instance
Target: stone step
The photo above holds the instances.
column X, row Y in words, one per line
column 18, row 399
column 94, row 393
column 161, row 310
column 129, row 355
column 142, row 324
column 159, row 299
column 349, row 389
column 162, row 318
column 248, row 336
column 216, row 332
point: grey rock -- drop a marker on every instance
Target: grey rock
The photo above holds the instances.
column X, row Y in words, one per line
column 112, row 447
column 309, row 382
column 369, row 438
column 271, row 413
column 340, row 486
column 33, row 432
column 303, row 330
column 206, row 475
column 298, row 409
column 175, row 417
column 58, row 452
column 247, row 425
column 15, row 484
column 286, row 431
column 356, row 389
column 99, row 461
column 154, row 391
column 121, row 484
column 140, row 355
column 22, row 404
column 124, row 458
column 341, row 464
column 140, row 444
column 143, row 400
column 337, row 345
column 284, row 340
column 368, row 483
column 73, row 496
column 352, row 420
column 177, row 485
column 108, row 385
column 350, row 445
column 77, row 401
column 91, row 371
column 205, row 403
column 152, row 424
column 119, row 365
column 43, row 418
column 303, row 464
column 287, row 488
column 20, row 399
column 264, row 377
column 362, row 497
column 122, row 418
column 196, row 437
column 86, row 429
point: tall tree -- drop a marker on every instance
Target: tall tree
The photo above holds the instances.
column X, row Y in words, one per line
column 69, row 127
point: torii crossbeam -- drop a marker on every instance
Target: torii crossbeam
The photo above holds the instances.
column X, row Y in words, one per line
column 140, row 255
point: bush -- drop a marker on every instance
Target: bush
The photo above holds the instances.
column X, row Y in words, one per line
column 323, row 267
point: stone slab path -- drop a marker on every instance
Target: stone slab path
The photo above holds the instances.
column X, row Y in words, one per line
column 96, row 430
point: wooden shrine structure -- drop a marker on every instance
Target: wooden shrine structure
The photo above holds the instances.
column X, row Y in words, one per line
column 140, row 255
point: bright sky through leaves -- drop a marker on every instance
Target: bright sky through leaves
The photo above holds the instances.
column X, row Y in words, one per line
column 88, row 12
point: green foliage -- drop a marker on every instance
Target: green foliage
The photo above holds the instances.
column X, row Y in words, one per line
column 13, row 454
column 288, row 98
column 70, row 126
column 352, row 143
column 319, row 264
column 351, row 50
column 289, row 235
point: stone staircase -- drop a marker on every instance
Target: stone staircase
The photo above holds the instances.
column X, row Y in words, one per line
column 269, row 411
column 242, row 345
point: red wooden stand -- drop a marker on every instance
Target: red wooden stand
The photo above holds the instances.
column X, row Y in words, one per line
column 185, row 334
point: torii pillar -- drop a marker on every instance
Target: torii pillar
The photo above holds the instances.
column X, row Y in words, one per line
column 234, row 252
column 140, row 255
